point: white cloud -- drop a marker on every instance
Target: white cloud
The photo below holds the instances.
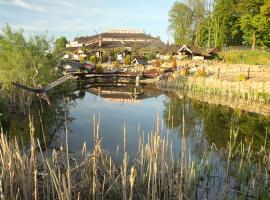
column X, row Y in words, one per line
column 22, row 4
column 59, row 3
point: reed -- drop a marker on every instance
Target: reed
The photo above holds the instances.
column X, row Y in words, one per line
column 252, row 92
column 154, row 174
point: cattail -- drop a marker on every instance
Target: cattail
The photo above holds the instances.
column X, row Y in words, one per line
column 132, row 181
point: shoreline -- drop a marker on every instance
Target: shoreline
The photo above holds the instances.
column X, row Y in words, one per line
column 220, row 85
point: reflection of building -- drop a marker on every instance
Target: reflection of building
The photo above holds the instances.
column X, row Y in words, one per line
column 123, row 100
column 125, row 93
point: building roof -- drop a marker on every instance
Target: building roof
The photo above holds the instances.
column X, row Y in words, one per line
column 140, row 61
column 214, row 50
column 71, row 49
column 104, row 45
column 169, row 49
column 195, row 50
column 172, row 49
column 117, row 44
column 116, row 36
column 119, row 38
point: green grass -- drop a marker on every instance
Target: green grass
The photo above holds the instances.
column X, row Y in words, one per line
column 246, row 57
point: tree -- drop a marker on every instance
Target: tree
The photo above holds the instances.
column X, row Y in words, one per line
column 24, row 61
column 227, row 31
column 255, row 22
column 265, row 9
column 180, row 19
column 198, row 10
column 222, row 22
column 60, row 44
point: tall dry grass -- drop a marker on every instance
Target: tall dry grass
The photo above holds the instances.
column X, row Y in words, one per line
column 155, row 173
column 246, row 57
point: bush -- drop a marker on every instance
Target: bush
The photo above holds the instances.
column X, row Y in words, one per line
column 105, row 58
column 200, row 73
column 157, row 63
column 170, row 58
column 174, row 63
column 94, row 59
column 100, row 69
column 185, row 72
column 128, row 60
column 116, row 64
column 151, row 56
column 81, row 60
column 241, row 77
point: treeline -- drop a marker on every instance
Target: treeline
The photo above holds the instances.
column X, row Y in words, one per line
column 209, row 23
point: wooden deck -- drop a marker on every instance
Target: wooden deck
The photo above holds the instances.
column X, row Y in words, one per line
column 93, row 78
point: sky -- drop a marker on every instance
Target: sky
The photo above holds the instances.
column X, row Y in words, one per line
column 73, row 18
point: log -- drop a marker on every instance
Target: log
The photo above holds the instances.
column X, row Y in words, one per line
column 46, row 88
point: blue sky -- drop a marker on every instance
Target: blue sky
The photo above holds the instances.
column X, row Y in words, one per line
column 82, row 17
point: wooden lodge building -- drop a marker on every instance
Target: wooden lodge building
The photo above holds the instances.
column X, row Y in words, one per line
column 182, row 51
column 123, row 40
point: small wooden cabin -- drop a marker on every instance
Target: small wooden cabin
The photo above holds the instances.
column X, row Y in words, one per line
column 194, row 52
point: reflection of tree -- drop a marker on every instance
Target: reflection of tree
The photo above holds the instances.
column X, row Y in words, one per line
column 216, row 121
column 173, row 113
column 47, row 119
column 219, row 120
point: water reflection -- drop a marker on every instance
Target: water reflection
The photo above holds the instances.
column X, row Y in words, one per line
column 215, row 121
column 141, row 109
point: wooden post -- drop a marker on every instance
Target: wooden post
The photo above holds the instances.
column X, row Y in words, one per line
column 137, row 80
column 218, row 73
column 248, row 75
column 99, row 91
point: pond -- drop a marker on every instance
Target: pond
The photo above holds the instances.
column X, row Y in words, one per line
column 140, row 110
column 212, row 150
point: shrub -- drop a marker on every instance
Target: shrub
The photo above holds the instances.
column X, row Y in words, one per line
column 174, row 63
column 99, row 69
column 170, row 58
column 157, row 63
column 94, row 59
column 151, row 56
column 81, row 60
column 185, row 72
column 241, row 77
column 116, row 64
column 113, row 55
column 200, row 73
column 105, row 58
column 128, row 60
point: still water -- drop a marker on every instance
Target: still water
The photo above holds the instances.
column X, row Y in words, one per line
column 142, row 111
